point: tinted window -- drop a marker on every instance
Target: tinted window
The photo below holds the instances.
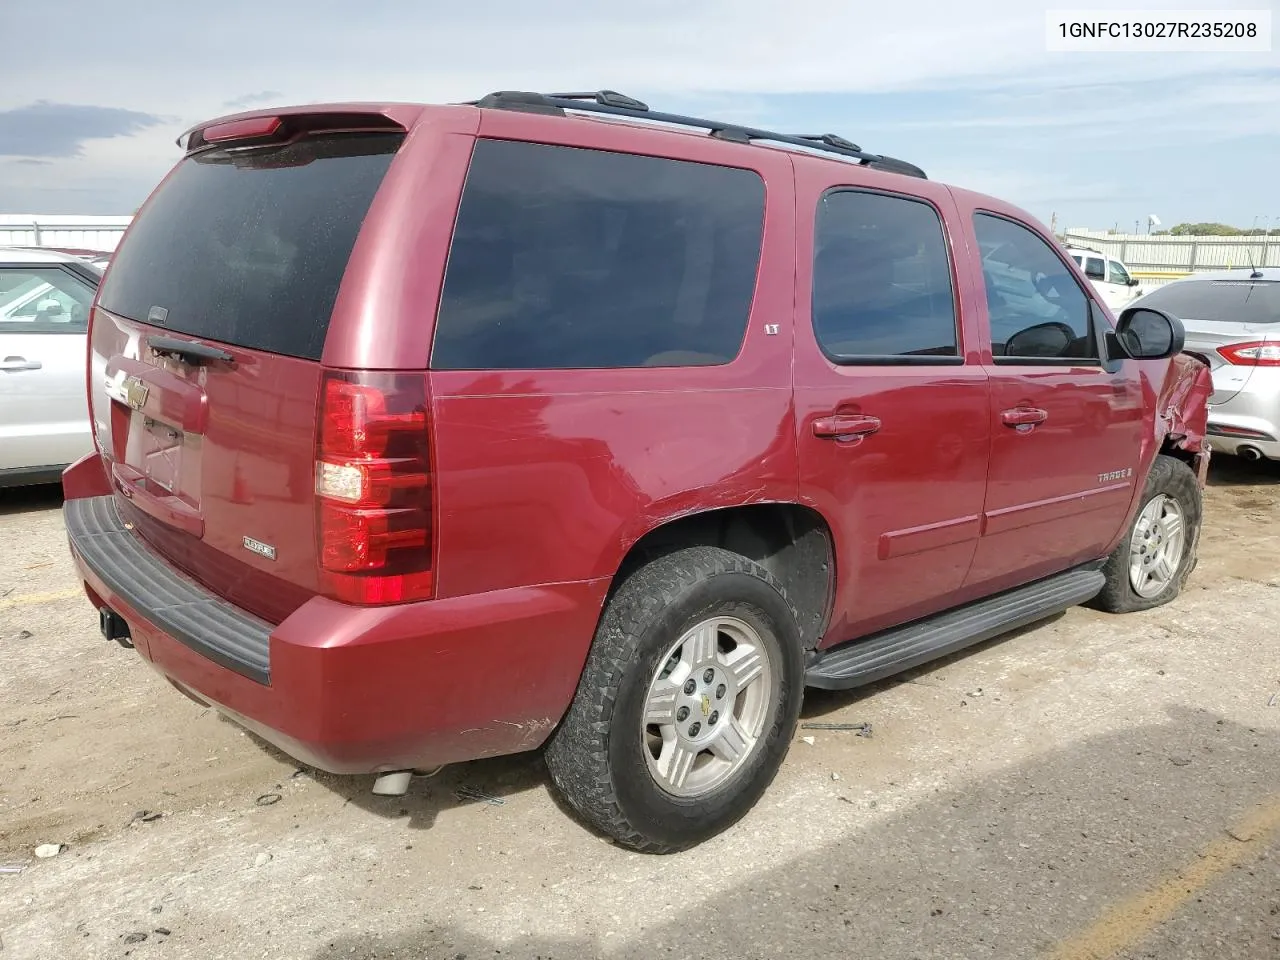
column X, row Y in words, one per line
column 1094, row 268
column 1036, row 307
column 1231, row 301
column 881, row 279
column 43, row 300
column 248, row 247
column 1116, row 273
column 564, row 257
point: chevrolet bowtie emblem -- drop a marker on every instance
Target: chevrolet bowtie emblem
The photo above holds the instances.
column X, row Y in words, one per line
column 135, row 392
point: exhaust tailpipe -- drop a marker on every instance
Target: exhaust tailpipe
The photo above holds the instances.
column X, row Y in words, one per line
column 395, row 784
column 1252, row 454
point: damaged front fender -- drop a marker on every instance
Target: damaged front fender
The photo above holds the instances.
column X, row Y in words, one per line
column 1183, row 412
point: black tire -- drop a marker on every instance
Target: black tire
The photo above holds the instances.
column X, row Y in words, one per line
column 1172, row 478
column 597, row 756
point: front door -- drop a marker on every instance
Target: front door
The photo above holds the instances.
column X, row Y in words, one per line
column 891, row 399
column 1067, row 432
column 1121, row 288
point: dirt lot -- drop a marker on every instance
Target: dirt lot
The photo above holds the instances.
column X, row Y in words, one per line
column 1093, row 787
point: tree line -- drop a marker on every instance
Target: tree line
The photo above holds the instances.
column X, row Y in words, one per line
column 1215, row 230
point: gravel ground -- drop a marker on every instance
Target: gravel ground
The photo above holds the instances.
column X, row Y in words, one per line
column 1092, row 787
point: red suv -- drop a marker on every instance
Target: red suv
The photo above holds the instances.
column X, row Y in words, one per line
column 430, row 433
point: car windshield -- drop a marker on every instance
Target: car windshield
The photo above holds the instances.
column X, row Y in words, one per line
column 1224, row 301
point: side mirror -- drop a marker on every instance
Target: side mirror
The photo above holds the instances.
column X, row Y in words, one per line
column 1133, row 281
column 1146, row 334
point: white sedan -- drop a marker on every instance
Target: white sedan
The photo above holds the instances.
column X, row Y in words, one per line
column 44, row 314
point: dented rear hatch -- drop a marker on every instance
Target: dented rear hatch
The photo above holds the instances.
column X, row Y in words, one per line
column 206, row 345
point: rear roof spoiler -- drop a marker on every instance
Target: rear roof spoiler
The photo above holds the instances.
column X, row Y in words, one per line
column 292, row 121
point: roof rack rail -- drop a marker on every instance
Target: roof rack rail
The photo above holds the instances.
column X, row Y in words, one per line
column 618, row 104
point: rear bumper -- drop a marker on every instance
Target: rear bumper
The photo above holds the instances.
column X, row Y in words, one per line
column 351, row 689
column 1250, row 419
column 1239, row 446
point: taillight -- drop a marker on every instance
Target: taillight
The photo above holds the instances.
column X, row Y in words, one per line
column 373, row 487
column 1258, row 353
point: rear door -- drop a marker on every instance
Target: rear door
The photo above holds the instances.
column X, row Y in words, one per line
column 240, row 252
column 1067, row 433
column 44, row 418
column 891, row 397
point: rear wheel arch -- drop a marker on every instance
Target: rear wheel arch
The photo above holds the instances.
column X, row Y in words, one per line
column 794, row 543
column 626, row 755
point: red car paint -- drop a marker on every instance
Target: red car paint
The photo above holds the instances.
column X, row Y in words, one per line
column 543, row 481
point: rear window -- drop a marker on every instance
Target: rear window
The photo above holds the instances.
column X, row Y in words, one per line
column 248, row 247
column 1228, row 301
column 571, row 258
column 881, row 279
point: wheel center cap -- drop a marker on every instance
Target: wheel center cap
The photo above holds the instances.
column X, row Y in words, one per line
column 705, row 704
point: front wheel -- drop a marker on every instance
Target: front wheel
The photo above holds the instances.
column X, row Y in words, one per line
column 686, row 705
column 1158, row 552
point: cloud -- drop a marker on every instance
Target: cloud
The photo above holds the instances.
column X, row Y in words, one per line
column 44, row 129
column 968, row 91
column 249, row 99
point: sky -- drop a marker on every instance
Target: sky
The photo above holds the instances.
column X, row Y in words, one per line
column 963, row 88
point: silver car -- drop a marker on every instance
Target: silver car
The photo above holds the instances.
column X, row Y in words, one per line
column 44, row 412
column 1232, row 318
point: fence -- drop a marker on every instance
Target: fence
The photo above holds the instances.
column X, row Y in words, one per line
column 75, row 232
column 1157, row 260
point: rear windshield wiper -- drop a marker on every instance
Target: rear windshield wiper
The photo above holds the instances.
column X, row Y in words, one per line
column 195, row 354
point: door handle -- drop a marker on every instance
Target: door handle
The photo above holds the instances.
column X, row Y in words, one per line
column 18, row 364
column 1023, row 416
column 842, row 427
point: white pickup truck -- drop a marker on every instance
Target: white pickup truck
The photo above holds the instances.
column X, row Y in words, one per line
column 1111, row 278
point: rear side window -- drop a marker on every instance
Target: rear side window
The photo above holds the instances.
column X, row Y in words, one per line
column 248, row 247
column 882, row 280
column 1228, row 301
column 570, row 258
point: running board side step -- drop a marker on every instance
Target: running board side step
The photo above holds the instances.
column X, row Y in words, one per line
column 890, row 652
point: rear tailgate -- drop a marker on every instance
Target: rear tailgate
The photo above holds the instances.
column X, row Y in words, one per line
column 205, row 356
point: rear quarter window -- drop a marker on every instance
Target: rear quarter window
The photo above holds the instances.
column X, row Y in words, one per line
column 248, row 247
column 565, row 257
